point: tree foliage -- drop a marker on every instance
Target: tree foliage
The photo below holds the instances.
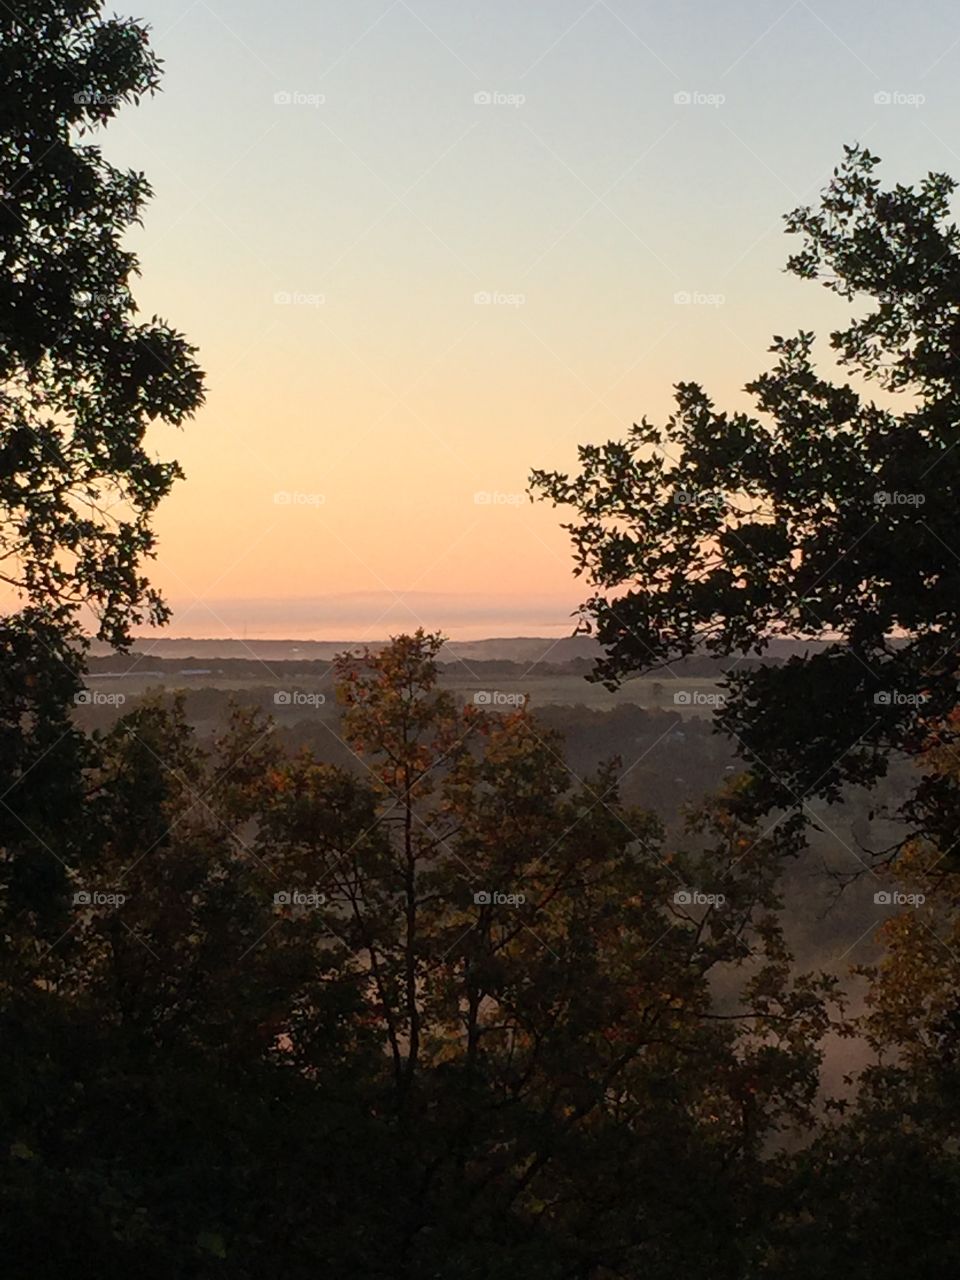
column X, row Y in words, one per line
column 81, row 377
column 827, row 515
column 453, row 1010
column 468, row 1002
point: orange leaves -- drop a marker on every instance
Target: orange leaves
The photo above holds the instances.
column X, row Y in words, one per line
column 278, row 782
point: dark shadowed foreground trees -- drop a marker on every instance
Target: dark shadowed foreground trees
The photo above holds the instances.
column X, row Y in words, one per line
column 456, row 1019
column 828, row 515
column 81, row 380
column 458, row 1015
column 876, row 1191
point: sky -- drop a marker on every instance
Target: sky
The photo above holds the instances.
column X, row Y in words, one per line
column 426, row 246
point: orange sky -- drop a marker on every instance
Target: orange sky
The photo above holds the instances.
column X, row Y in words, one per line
column 327, row 259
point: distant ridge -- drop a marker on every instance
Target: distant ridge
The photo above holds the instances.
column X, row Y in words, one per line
column 516, row 649
column 526, row 649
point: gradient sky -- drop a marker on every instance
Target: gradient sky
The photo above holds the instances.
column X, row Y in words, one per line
column 583, row 197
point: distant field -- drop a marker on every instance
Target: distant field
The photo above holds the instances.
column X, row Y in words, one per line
column 689, row 696
column 575, row 690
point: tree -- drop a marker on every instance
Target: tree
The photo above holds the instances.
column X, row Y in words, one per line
column 539, row 981
column 461, row 1011
column 829, row 516
column 875, row 1192
column 81, row 378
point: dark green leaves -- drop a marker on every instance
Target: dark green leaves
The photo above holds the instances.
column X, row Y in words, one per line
column 826, row 517
column 80, row 379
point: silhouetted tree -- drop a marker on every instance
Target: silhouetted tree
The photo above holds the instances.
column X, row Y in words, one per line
column 459, row 1011
column 81, row 380
column 828, row 516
